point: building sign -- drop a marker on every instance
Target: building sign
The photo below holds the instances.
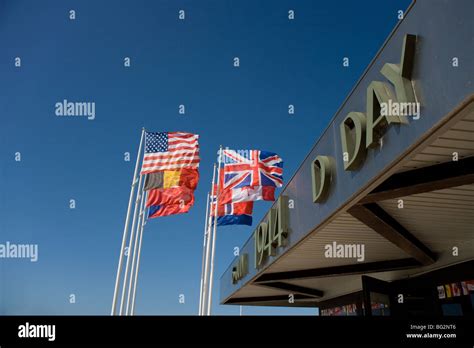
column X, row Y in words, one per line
column 359, row 131
column 241, row 268
column 272, row 233
column 385, row 106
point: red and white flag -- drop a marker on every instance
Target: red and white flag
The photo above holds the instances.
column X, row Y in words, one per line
column 247, row 193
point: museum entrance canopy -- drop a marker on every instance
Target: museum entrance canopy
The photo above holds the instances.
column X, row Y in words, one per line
column 388, row 189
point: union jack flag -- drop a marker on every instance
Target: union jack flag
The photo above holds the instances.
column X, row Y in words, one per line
column 252, row 168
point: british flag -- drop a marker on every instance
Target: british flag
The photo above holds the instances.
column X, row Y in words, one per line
column 250, row 175
column 252, row 168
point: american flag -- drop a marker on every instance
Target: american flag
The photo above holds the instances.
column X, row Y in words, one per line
column 252, row 168
column 170, row 151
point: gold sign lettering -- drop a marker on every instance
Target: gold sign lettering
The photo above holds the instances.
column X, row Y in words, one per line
column 240, row 269
column 272, row 233
column 321, row 173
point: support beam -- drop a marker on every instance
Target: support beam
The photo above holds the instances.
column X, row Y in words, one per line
column 427, row 179
column 355, row 268
column 291, row 288
column 381, row 222
column 269, row 300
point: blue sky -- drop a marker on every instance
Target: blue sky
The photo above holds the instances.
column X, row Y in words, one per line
column 173, row 62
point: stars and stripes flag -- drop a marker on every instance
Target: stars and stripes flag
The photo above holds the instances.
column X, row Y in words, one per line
column 250, row 175
column 170, row 163
column 170, row 151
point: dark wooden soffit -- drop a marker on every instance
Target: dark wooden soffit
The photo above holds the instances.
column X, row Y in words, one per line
column 427, row 179
column 381, row 222
column 356, row 268
column 294, row 289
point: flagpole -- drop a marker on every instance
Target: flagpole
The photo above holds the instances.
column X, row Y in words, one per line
column 211, row 275
column 135, row 245
column 204, row 253
column 206, row 265
column 125, row 229
column 144, row 219
column 130, row 244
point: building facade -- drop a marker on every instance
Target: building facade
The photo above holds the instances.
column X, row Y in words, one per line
column 379, row 217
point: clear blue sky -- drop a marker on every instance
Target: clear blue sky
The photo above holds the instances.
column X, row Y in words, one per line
column 173, row 62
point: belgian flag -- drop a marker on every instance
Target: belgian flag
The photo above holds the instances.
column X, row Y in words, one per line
column 166, row 179
column 171, row 191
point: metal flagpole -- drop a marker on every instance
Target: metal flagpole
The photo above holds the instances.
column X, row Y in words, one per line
column 144, row 219
column 203, row 254
column 211, row 273
column 134, row 254
column 130, row 244
column 125, row 229
column 208, row 248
